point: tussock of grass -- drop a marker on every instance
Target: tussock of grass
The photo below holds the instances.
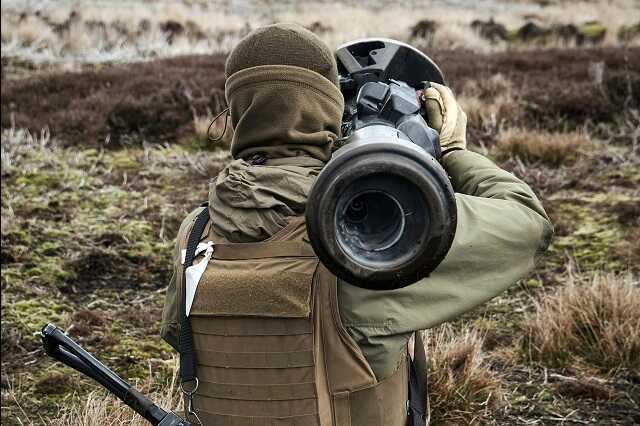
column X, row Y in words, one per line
column 461, row 385
column 552, row 149
column 595, row 320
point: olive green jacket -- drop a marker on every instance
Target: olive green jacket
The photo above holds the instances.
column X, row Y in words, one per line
column 502, row 229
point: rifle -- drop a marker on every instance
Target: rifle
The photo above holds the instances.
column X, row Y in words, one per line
column 60, row 347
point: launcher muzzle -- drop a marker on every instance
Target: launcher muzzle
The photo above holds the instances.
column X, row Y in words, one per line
column 382, row 212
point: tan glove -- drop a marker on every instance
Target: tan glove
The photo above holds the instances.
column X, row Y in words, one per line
column 445, row 116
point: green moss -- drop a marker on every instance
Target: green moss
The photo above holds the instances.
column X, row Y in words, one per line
column 11, row 276
column 49, row 272
column 592, row 30
column 595, row 230
column 123, row 160
column 39, row 180
column 202, row 143
column 30, row 315
column 49, row 248
column 16, row 236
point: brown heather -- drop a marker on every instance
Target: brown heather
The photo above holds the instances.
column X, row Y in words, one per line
column 593, row 320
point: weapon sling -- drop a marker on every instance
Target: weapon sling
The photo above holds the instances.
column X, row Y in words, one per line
column 188, row 378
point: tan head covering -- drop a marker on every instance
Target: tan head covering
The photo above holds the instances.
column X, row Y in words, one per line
column 283, row 95
column 283, row 44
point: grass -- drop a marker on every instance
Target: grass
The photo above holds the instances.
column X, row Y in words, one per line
column 95, row 32
column 101, row 409
column 212, row 132
column 553, row 149
column 86, row 238
column 95, row 163
column 594, row 320
column 462, row 387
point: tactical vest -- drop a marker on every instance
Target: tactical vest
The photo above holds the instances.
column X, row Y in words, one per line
column 271, row 348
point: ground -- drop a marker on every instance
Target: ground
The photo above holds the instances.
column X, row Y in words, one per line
column 101, row 163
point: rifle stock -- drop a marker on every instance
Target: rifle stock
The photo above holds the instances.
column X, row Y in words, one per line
column 60, row 347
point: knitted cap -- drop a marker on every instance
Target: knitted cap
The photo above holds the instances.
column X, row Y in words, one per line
column 283, row 44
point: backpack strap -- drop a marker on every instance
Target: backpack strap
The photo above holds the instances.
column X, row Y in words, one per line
column 188, row 378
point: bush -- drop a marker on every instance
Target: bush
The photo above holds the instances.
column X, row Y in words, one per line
column 596, row 320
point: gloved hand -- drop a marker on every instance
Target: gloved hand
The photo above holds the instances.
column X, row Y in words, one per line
column 445, row 116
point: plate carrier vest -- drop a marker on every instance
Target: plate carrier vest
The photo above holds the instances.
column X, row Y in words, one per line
column 269, row 344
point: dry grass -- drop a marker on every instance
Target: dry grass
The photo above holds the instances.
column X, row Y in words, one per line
column 462, row 388
column 552, row 149
column 99, row 409
column 92, row 31
column 490, row 104
column 213, row 132
column 595, row 320
column 98, row 32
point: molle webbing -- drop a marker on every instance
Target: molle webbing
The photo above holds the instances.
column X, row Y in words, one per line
column 255, row 371
column 253, row 333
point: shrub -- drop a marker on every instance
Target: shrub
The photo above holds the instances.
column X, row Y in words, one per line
column 596, row 320
column 461, row 385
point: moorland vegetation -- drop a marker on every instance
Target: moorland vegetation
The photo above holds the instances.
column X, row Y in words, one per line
column 104, row 125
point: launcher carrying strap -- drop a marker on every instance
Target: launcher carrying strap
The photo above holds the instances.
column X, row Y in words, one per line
column 187, row 351
column 419, row 410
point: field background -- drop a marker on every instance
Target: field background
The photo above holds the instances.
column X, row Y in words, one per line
column 105, row 109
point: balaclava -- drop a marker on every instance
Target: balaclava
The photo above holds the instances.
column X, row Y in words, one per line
column 283, row 94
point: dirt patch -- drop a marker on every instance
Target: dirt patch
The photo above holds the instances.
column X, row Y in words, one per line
column 581, row 388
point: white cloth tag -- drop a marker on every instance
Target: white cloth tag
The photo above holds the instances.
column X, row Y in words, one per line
column 194, row 272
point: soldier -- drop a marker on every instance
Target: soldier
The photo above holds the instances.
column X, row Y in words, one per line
column 277, row 339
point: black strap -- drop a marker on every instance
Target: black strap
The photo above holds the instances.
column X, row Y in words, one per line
column 416, row 410
column 187, row 351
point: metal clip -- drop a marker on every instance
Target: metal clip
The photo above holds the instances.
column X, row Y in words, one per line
column 189, row 397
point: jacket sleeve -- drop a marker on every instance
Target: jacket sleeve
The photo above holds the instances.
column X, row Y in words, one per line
column 502, row 229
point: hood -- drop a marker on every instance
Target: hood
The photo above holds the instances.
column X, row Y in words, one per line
column 250, row 202
column 283, row 111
